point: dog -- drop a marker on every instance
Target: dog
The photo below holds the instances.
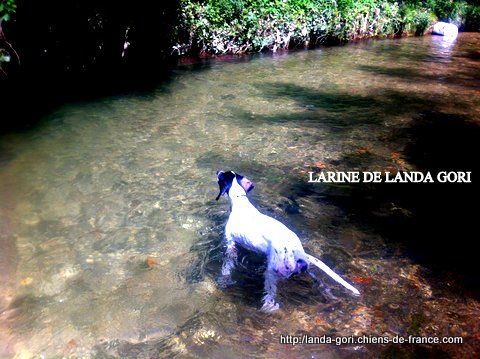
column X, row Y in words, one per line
column 257, row 232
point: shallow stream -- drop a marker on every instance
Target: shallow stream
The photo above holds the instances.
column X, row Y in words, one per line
column 111, row 235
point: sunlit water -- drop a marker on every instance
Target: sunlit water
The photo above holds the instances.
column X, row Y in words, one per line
column 111, row 237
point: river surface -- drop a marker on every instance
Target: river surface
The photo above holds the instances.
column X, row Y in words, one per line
column 111, row 238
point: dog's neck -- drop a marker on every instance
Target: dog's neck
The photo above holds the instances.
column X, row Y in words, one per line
column 238, row 197
column 240, row 203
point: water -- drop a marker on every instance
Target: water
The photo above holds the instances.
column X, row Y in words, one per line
column 111, row 237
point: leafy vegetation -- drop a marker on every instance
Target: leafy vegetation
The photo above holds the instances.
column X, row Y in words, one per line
column 7, row 9
column 235, row 26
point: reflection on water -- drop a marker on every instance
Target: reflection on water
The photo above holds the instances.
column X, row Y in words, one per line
column 111, row 237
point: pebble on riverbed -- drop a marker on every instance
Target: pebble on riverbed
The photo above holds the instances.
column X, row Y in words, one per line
column 26, row 281
column 204, row 335
column 151, row 262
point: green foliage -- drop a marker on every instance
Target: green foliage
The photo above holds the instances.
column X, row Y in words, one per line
column 230, row 26
column 416, row 20
column 463, row 13
column 449, row 11
column 243, row 25
column 472, row 18
column 4, row 56
column 7, row 9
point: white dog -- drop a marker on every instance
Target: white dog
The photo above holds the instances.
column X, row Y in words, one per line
column 255, row 231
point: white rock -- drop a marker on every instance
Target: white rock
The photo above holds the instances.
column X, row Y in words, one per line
column 445, row 29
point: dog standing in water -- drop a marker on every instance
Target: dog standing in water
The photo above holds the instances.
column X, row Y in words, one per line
column 257, row 232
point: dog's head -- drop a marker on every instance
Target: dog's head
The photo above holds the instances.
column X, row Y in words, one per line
column 228, row 179
column 285, row 261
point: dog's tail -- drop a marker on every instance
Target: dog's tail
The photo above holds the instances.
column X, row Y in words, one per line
column 331, row 273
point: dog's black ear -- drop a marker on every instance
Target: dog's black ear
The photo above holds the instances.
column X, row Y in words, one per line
column 221, row 193
column 220, row 184
column 224, row 182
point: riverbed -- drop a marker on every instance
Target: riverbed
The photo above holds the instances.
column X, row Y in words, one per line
column 111, row 239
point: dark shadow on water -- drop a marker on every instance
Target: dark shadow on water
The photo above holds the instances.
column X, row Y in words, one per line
column 340, row 112
column 28, row 101
column 153, row 346
column 462, row 79
column 441, row 141
column 389, row 101
column 434, row 222
column 304, row 96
